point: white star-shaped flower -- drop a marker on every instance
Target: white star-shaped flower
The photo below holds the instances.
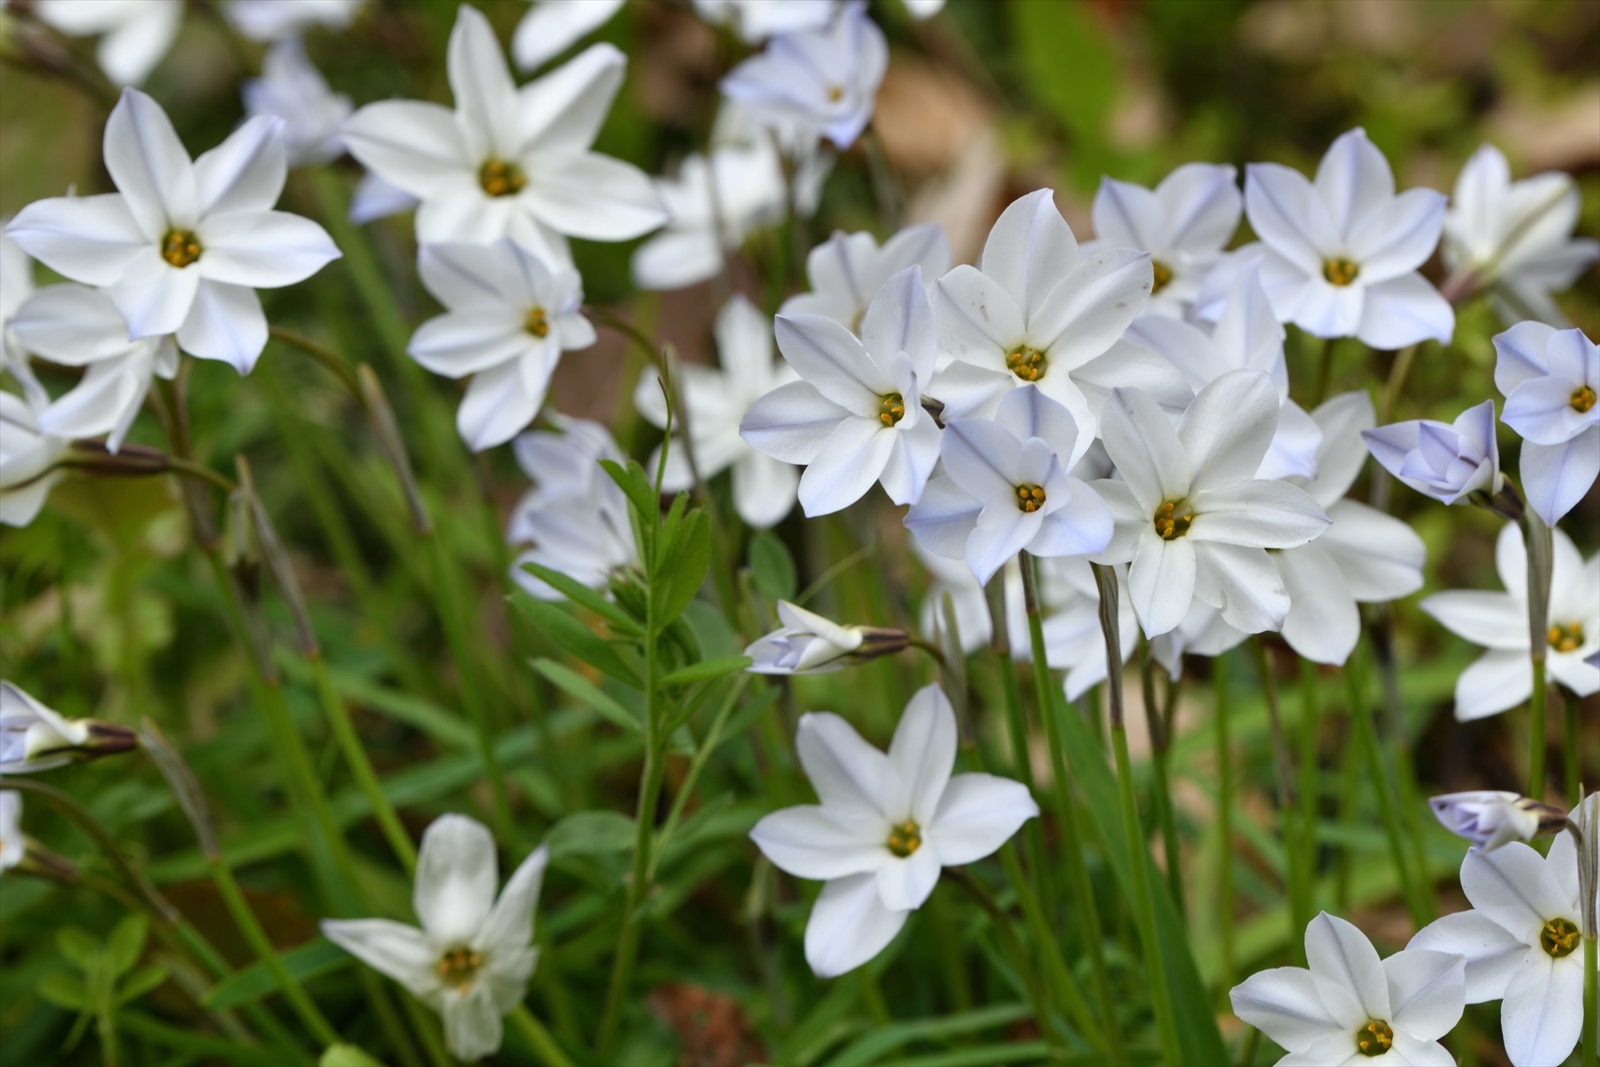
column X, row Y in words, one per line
column 1551, row 382
column 714, row 206
column 296, row 92
column 848, row 269
column 134, row 34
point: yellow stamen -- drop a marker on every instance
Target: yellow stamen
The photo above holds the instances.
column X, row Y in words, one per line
column 1375, row 1038
column 1340, row 272
column 905, row 838
column 891, row 408
column 459, row 967
column 1026, row 363
column 1163, row 275
column 1568, row 638
column 1559, row 937
column 1030, row 498
column 1582, row 399
column 500, row 178
column 536, row 323
column 180, row 247
column 1173, row 519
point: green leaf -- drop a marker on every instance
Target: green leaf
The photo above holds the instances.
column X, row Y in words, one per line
column 347, row 1056
column 873, row 1046
column 687, row 570
column 254, row 982
column 574, row 637
column 583, row 596
column 141, row 982
column 587, row 693
column 65, row 990
column 78, row 946
column 126, row 943
column 773, row 567
column 637, row 487
column 707, row 670
column 587, row 833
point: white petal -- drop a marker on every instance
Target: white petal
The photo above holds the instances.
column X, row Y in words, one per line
column 457, row 874
column 552, row 26
column 764, row 490
column 264, row 249
column 982, row 458
column 461, row 343
column 1556, row 477
column 849, row 926
column 486, row 97
column 1353, row 179
column 497, row 406
column 923, row 753
column 1289, row 216
column 1242, row 583
column 812, row 841
column 246, row 172
column 1514, row 887
column 71, row 325
column 1398, row 236
column 1086, row 314
column 904, row 884
column 943, row 518
column 562, row 111
column 1379, row 557
column 1028, row 412
column 900, row 319
column 154, row 296
column 89, row 239
column 1493, row 620
column 1146, row 449
column 509, row 924
column 1001, row 533
column 1083, row 528
column 1323, row 623
column 1228, row 428
column 977, row 814
column 1129, row 215
column 594, row 197
column 830, row 357
column 402, row 952
column 967, row 390
column 1412, row 1050
column 1030, row 250
column 1405, row 311
column 1284, row 1004
column 1162, row 581
column 472, row 1027
column 1257, row 514
column 1341, row 454
column 1427, row 991
column 846, row 772
column 411, row 145
column 1520, row 355
column 1326, row 310
column 848, row 462
column 1493, row 954
column 1496, row 681
column 791, row 422
column 1542, row 1016
column 225, row 323
column 1203, row 205
column 1348, row 973
column 977, row 319
column 149, row 165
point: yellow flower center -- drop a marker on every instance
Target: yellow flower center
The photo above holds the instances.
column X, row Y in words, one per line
column 458, row 968
column 500, row 178
column 1375, row 1038
column 1027, row 363
column 180, row 247
column 1340, row 272
column 891, row 408
column 1559, row 937
column 1030, row 498
column 835, row 93
column 1173, row 519
column 1582, row 399
column 1163, row 275
column 536, row 323
column 1568, row 638
column 905, row 838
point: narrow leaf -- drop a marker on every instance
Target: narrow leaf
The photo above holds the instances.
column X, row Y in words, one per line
column 587, row 693
column 583, row 596
column 707, row 670
column 254, row 982
column 574, row 637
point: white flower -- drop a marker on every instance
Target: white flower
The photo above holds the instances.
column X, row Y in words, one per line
column 296, row 92
column 1490, row 819
column 36, row 738
column 885, row 826
column 1551, row 381
column 1183, row 223
column 848, row 269
column 26, row 452
column 809, row 160
column 1006, row 488
column 1364, row 556
column 1246, row 336
column 509, row 162
column 1342, row 254
column 575, row 519
column 810, row 644
column 1517, row 236
column 183, row 245
column 825, row 78
column 375, row 198
column 12, row 845
column 552, row 26
column 716, row 400
column 1447, row 461
column 756, row 20
column 1522, row 945
column 1503, row 677
column 1190, row 513
column 1038, row 311
column 857, row 416
column 472, row 959
column 1073, row 641
column 508, row 317
column 134, row 34
column 16, row 285
column 1351, row 1007
column 707, row 223
column 273, row 20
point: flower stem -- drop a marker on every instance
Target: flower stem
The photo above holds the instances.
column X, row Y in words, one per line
column 1224, row 750
column 1539, row 549
column 544, row 1045
column 1161, row 792
column 1591, row 1005
column 323, row 355
column 1367, row 738
column 1300, row 890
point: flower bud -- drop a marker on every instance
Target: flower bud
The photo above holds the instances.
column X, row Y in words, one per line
column 1447, row 461
column 811, row 644
column 1490, row 819
column 36, row 738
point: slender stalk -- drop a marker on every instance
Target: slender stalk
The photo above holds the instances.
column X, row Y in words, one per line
column 536, row 1035
column 323, row 355
column 1591, row 1005
column 1310, row 767
column 1367, row 738
column 1293, row 832
column 692, row 777
column 1224, row 748
column 1539, row 549
column 1161, row 792
column 1138, row 856
column 872, row 996
column 1324, row 372
column 1003, row 924
column 1396, row 382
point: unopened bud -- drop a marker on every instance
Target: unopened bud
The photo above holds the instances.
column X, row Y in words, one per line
column 811, row 644
column 37, row 738
column 1490, row 819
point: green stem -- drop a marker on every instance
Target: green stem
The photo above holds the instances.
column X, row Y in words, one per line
column 1224, row 749
column 245, row 919
column 696, row 766
column 1293, row 831
column 872, row 996
column 1539, row 550
column 1324, row 372
column 1160, row 787
column 323, row 355
column 1367, row 738
column 1396, row 382
column 536, row 1035
column 1591, row 1005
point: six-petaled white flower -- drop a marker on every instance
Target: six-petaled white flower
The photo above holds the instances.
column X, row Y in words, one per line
column 1343, row 252
column 183, row 245
column 856, row 417
column 886, row 824
column 848, row 269
column 1447, row 461
column 1551, row 382
column 472, row 958
column 1502, row 677
column 808, row 643
column 1351, row 1007
column 293, row 90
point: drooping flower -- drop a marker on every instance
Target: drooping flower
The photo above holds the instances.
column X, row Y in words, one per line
column 1522, row 943
column 134, row 34
column 1037, row 311
column 856, row 417
column 715, row 401
column 848, row 269
column 509, row 162
column 508, row 318
column 183, row 245
column 808, row 643
column 824, row 78
column 1363, row 557
column 472, row 958
column 1351, row 1007
column 886, row 824
column 1190, row 514
column 552, row 26
column 293, row 90
column 1551, row 382
column 26, row 452
column 1516, row 237
column 1006, row 488
column 1184, row 223
column 35, row 738
column 756, row 20
column 276, row 20
column 1490, row 818
column 1447, row 461
column 1246, row 336
column 1502, row 677
column 1343, row 253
